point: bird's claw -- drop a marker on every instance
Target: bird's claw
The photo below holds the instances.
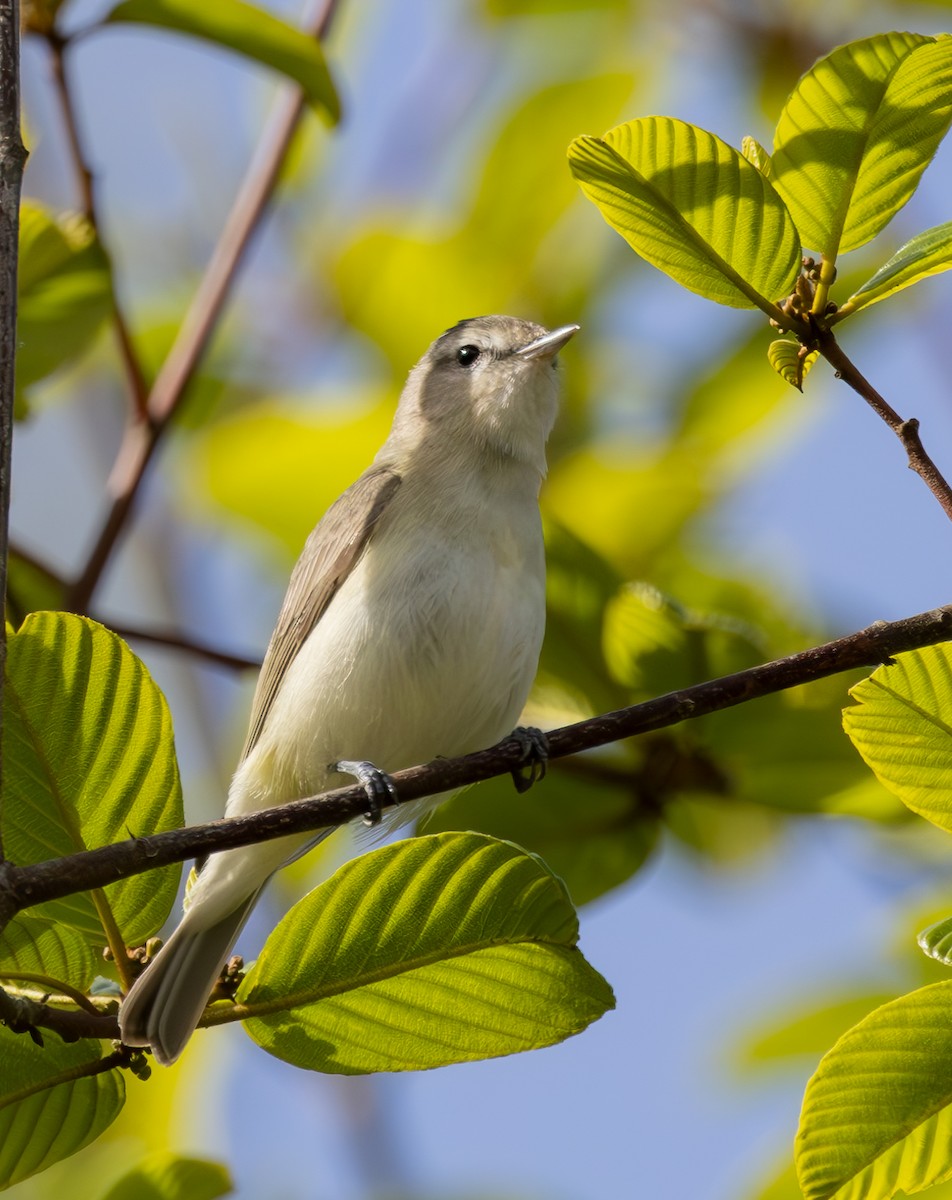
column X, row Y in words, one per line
column 534, row 746
column 377, row 784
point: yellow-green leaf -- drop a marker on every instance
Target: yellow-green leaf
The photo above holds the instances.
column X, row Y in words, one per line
column 694, row 207
column 167, row 1176
column 901, row 724
column 877, row 1115
column 928, row 253
column 856, row 134
column 789, row 361
column 441, row 949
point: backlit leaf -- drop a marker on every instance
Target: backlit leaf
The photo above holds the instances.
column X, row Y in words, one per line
column 928, row 253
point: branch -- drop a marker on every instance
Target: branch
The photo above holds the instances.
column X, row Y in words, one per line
column 174, row 640
column 142, row 438
column 906, row 431
column 21, row 887
column 12, row 160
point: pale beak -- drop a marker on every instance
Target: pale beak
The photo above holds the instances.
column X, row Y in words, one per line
column 549, row 344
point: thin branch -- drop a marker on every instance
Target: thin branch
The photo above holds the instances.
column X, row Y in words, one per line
column 12, row 161
column 21, row 887
column 135, row 376
column 906, row 430
column 201, row 319
column 174, row 640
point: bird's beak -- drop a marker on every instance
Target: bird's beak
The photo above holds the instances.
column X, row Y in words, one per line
column 549, row 344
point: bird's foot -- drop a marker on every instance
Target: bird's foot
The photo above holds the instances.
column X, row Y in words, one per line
column 377, row 784
column 535, row 756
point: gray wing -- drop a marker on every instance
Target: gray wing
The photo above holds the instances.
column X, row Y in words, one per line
column 329, row 555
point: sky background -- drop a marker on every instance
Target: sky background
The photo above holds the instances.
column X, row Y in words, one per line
column 650, row 1101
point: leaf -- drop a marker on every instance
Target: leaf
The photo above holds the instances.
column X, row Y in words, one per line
column 856, row 134
column 790, row 364
column 936, row 941
column 695, row 208
column 89, row 759
column 249, row 31
column 928, row 253
column 757, row 156
column 63, row 291
column 42, row 1122
column 877, row 1115
column 808, row 1034
column 30, row 587
column 441, row 949
column 40, row 947
column 166, row 1176
column 899, row 725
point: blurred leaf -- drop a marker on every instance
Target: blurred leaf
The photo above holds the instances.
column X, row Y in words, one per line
column 31, row 944
column 495, row 260
column 790, row 364
column 936, row 941
column 63, row 291
column 89, row 759
column 248, row 31
column 586, row 824
column 926, row 254
column 856, row 134
column 876, row 1115
column 693, row 207
column 42, row 1122
column 30, row 588
column 899, row 724
column 171, row 1177
column 260, row 464
column 440, row 949
column 809, row 1034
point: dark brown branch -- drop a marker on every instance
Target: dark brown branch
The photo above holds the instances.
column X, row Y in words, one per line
column 12, row 161
column 142, row 438
column 906, row 430
column 174, row 640
column 25, row 886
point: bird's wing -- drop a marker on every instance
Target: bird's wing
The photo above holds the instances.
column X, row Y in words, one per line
column 329, row 556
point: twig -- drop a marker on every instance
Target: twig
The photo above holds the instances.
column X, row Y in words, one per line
column 141, row 439
column 85, row 182
column 21, row 887
column 179, row 641
column 12, row 160
column 906, row 430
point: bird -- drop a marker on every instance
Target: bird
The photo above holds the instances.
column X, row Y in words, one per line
column 411, row 629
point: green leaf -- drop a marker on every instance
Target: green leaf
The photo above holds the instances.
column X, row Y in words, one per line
column 877, row 1115
column 166, row 1176
column 809, row 1034
column 900, row 725
column 789, row 362
column 936, row 941
column 757, row 156
column 42, row 1121
column 31, row 944
column 63, row 291
column 695, row 208
column 30, row 588
column 441, row 949
column 928, row 253
column 249, row 31
column 856, row 134
column 89, row 759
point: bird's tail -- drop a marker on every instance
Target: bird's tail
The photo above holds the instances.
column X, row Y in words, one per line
column 166, row 1002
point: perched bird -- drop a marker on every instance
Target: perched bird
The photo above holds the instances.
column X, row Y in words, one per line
column 411, row 629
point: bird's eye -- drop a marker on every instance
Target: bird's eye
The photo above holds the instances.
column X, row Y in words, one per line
column 467, row 355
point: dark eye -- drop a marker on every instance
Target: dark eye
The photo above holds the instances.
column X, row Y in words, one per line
column 467, row 355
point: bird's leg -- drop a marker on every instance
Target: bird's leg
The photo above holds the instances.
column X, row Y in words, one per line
column 376, row 783
column 535, row 756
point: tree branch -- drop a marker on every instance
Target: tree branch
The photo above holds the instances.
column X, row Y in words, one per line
column 21, row 887
column 142, row 437
column 12, row 160
column 907, row 431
